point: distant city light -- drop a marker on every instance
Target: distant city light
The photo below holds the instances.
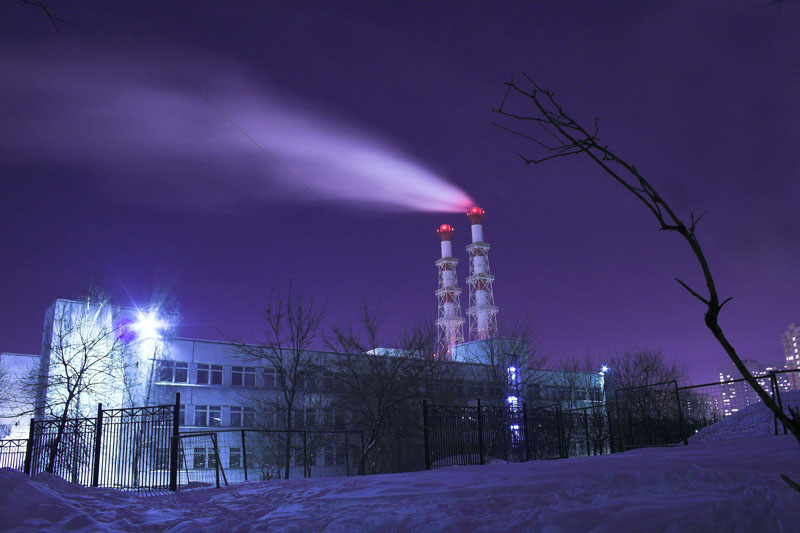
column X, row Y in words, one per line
column 147, row 326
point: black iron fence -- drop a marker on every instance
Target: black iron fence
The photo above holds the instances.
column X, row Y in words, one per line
column 661, row 414
column 238, row 455
column 12, row 453
column 130, row 448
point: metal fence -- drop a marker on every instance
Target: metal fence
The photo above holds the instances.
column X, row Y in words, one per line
column 130, row 448
column 238, row 455
column 12, row 453
column 661, row 414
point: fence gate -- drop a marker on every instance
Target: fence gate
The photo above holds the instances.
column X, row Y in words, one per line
column 129, row 448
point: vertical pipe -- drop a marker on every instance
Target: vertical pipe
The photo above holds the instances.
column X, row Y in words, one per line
column 173, row 449
column 480, row 432
column 244, row 455
column 98, row 436
column 425, row 432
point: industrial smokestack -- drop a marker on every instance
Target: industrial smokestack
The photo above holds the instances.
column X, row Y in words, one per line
column 481, row 311
column 450, row 323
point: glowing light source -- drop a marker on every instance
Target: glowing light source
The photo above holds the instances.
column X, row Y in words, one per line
column 603, row 369
column 147, row 326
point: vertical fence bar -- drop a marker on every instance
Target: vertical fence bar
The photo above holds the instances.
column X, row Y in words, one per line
column 174, row 443
column 560, row 426
column 305, row 453
column 26, row 467
column 347, row 452
column 586, row 432
column 525, row 431
column 426, row 437
column 363, row 459
column 98, row 437
column 480, row 433
column 610, row 433
column 683, row 434
column 244, row 455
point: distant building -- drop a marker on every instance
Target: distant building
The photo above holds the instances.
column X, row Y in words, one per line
column 791, row 351
column 17, row 406
column 736, row 395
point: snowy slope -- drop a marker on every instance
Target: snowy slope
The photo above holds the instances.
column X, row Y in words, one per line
column 753, row 420
column 730, row 486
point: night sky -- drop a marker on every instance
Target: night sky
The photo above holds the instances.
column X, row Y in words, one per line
column 131, row 155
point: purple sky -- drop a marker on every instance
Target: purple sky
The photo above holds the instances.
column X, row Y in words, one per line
column 381, row 114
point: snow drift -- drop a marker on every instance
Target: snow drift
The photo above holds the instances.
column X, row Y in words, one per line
column 731, row 486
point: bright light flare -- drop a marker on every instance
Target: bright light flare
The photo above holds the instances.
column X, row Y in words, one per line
column 148, row 326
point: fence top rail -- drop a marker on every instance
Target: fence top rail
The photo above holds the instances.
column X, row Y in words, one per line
column 13, row 442
column 675, row 382
column 248, row 430
column 587, row 408
column 728, row 382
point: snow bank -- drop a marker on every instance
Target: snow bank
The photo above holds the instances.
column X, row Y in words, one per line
column 730, row 486
column 753, row 420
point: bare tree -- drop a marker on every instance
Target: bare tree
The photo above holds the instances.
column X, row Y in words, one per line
column 507, row 364
column 83, row 362
column 557, row 134
column 291, row 324
column 380, row 388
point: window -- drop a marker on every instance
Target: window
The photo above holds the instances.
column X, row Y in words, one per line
column 249, row 417
column 172, row 372
column 204, row 458
column 243, row 376
column 235, row 458
column 334, row 454
column 272, row 378
column 182, row 415
column 199, row 458
column 209, row 374
column 236, row 416
column 208, row 415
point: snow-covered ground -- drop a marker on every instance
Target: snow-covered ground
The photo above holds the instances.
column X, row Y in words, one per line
column 726, row 486
column 753, row 420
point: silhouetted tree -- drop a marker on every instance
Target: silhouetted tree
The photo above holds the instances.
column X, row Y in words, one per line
column 542, row 121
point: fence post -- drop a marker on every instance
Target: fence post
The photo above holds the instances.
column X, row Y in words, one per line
column 610, row 433
column 560, row 426
column 98, row 437
column 683, row 434
column 216, row 456
column 480, row 433
column 174, row 444
column 425, row 431
column 26, row 467
column 776, row 395
column 586, row 432
column 244, row 455
column 363, row 459
column 305, row 453
column 620, row 434
column 347, row 452
column 525, row 431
